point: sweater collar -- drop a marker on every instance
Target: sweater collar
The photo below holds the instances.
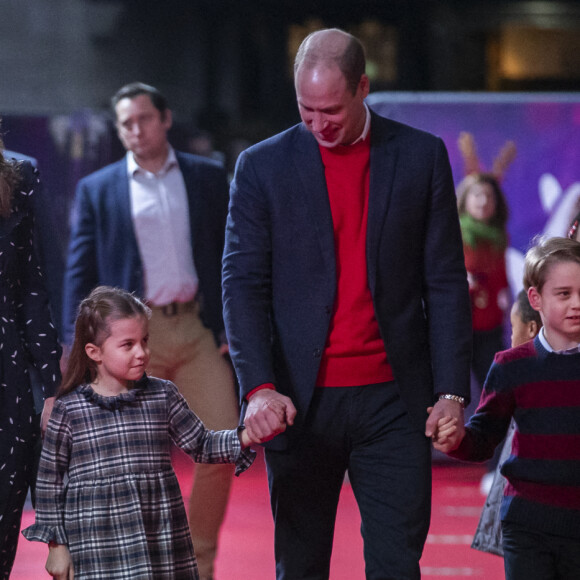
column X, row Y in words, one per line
column 546, row 345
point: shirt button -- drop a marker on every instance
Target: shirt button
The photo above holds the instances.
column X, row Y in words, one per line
column 317, row 352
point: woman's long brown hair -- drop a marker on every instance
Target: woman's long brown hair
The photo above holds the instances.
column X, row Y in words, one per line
column 9, row 180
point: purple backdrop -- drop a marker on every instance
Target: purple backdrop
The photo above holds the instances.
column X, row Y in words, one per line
column 542, row 185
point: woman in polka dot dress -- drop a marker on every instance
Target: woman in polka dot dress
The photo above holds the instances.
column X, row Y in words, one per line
column 27, row 338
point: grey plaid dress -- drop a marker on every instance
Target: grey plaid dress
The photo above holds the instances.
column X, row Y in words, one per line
column 106, row 486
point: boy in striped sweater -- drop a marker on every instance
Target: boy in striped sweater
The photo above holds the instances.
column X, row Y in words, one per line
column 538, row 384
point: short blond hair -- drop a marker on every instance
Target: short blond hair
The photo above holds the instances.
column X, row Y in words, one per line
column 545, row 253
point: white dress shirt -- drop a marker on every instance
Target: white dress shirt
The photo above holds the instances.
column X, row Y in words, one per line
column 160, row 212
column 366, row 126
column 548, row 347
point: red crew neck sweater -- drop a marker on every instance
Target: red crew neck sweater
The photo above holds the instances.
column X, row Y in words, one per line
column 354, row 353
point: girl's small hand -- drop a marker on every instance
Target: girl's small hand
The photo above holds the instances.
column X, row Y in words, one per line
column 59, row 563
column 245, row 438
column 246, row 441
column 268, row 414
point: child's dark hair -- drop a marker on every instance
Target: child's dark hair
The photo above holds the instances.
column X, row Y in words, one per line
column 95, row 314
column 501, row 214
column 525, row 310
column 545, row 253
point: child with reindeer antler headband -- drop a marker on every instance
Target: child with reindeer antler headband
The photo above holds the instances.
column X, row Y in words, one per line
column 483, row 214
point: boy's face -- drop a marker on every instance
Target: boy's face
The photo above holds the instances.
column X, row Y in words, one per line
column 521, row 331
column 559, row 305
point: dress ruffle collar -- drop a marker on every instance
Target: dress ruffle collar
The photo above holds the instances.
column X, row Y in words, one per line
column 116, row 402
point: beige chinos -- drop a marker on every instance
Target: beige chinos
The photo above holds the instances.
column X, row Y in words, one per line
column 184, row 351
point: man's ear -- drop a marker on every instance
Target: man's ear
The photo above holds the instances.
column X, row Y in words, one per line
column 167, row 119
column 365, row 86
column 535, row 298
column 93, row 352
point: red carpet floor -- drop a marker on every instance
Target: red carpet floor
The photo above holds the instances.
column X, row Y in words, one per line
column 246, row 550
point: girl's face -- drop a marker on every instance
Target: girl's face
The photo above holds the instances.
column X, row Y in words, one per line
column 123, row 356
column 480, row 202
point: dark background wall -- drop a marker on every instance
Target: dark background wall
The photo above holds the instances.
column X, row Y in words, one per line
column 226, row 64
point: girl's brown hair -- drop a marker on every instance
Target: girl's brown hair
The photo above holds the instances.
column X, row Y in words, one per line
column 93, row 325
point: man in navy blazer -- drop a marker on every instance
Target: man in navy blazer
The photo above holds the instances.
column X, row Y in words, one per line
column 348, row 328
column 103, row 247
column 153, row 223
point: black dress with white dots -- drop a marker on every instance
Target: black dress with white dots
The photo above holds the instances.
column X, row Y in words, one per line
column 27, row 338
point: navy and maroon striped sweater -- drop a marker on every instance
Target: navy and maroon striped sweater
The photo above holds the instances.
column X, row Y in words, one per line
column 541, row 391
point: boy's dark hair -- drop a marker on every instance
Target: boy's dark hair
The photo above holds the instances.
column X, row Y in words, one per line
column 525, row 310
column 545, row 253
column 93, row 325
column 133, row 90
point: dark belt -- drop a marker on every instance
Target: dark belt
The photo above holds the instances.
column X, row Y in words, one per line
column 174, row 308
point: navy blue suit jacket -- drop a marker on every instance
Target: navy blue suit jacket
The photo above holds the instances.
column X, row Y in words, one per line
column 279, row 276
column 103, row 248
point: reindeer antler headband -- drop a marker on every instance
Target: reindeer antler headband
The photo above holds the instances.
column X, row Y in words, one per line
column 468, row 149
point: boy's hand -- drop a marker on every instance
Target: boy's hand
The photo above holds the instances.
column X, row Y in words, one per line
column 447, row 415
column 443, row 438
column 446, row 427
column 449, row 445
column 59, row 563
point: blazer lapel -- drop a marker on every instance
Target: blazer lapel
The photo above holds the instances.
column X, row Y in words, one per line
column 313, row 191
column 189, row 172
column 122, row 202
column 384, row 153
column 122, row 196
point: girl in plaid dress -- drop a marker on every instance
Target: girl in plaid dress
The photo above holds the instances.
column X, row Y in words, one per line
column 108, row 501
